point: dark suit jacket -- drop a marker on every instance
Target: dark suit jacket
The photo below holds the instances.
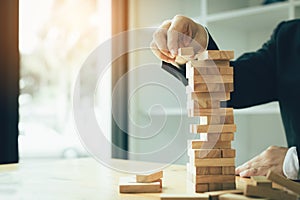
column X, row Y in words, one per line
column 272, row 73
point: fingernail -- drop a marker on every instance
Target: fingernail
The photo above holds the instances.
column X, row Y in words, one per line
column 243, row 173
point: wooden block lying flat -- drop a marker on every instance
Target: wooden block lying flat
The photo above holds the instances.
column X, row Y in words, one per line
column 204, row 104
column 204, row 170
column 198, row 144
column 214, row 112
column 214, row 162
column 255, row 191
column 129, row 185
column 206, row 79
column 228, row 153
column 208, row 63
column 228, row 119
column 213, row 179
column 215, row 55
column 212, row 87
column 261, row 181
column 212, row 128
column 215, row 195
column 205, row 153
column 210, row 71
column 228, row 170
column 213, row 96
column 216, row 136
column 237, row 197
column 148, row 178
column 184, row 196
column 280, row 180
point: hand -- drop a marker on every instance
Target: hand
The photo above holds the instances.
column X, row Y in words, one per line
column 176, row 33
column 270, row 159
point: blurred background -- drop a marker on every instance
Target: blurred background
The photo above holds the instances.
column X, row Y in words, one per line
column 56, row 36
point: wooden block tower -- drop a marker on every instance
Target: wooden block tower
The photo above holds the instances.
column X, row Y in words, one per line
column 211, row 159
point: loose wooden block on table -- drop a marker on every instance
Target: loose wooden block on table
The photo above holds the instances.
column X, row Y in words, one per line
column 210, row 87
column 215, row 55
column 129, row 185
column 198, row 144
column 261, row 181
column 265, row 192
column 212, row 128
column 148, row 178
column 215, row 195
column 280, row 180
column 184, row 196
column 237, row 197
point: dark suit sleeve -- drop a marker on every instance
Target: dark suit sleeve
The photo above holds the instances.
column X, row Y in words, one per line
column 255, row 76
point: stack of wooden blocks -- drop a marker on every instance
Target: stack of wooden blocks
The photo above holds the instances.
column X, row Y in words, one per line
column 210, row 81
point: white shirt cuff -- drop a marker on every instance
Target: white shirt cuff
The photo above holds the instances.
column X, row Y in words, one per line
column 291, row 164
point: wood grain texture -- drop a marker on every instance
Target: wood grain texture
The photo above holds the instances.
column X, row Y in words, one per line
column 213, row 162
column 198, row 144
column 213, row 179
column 203, row 104
column 280, row 180
column 211, row 87
column 129, row 185
column 194, row 71
column 237, row 197
column 228, row 153
column 213, row 96
column 261, row 181
column 215, row 55
column 228, row 170
column 184, row 197
column 206, row 79
column 148, row 178
column 205, row 153
column 208, row 63
column 212, row 128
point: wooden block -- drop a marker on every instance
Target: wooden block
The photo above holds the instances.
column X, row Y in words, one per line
column 215, row 55
column 186, row 51
column 148, row 178
column 216, row 137
column 261, row 181
column 208, row 63
column 213, row 96
column 211, row 87
column 198, row 144
column 212, row 70
column 204, row 170
column 213, row 112
column 215, row 186
column 205, row 153
column 237, row 197
column 203, row 187
column 129, row 185
column 215, row 195
column 229, row 186
column 184, row 55
column 214, row 162
column 228, row 170
column 184, row 196
column 265, row 192
column 228, row 153
column 228, row 119
column 280, row 180
column 206, row 79
column 212, row 128
column 204, row 104
column 213, row 179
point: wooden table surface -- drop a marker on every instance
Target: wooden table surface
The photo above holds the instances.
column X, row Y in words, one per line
column 78, row 179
